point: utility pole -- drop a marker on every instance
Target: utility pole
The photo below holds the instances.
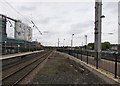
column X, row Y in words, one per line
column 85, row 41
column 72, row 41
column 63, row 42
column 5, row 47
column 58, row 42
column 98, row 22
column 36, row 45
column 118, row 37
column 18, row 48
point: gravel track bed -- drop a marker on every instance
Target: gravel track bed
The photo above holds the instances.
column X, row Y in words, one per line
column 63, row 71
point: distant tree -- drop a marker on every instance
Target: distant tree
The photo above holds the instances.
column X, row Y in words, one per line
column 106, row 45
column 76, row 47
column 90, row 46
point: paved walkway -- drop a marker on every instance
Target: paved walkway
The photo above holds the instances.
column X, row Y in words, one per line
column 18, row 54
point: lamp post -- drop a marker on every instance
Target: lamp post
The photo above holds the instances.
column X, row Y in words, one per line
column 63, row 42
column 18, row 48
column 86, row 40
column 25, row 46
column 72, row 41
column 29, row 46
column 5, row 46
column 36, row 44
column 58, row 42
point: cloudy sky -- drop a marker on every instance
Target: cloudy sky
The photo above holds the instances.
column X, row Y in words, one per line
column 62, row 18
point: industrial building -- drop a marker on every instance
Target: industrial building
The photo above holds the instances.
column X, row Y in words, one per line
column 22, row 40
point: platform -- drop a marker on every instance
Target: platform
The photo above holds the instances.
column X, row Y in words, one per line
column 18, row 55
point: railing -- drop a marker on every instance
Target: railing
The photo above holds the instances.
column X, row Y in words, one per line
column 11, row 49
column 109, row 62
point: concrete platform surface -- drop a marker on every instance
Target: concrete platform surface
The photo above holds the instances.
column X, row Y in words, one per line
column 18, row 54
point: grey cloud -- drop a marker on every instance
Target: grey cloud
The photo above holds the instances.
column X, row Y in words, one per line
column 119, row 9
column 83, row 9
column 111, row 6
column 63, row 18
column 41, row 20
column 64, row 21
column 44, row 21
column 29, row 8
column 76, row 28
column 80, row 27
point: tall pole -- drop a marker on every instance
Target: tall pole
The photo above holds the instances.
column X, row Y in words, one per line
column 98, row 14
column 36, row 45
column 5, row 47
column 29, row 46
column 63, row 42
column 18, row 46
column 119, row 37
column 72, row 41
column 58, row 42
column 85, row 41
column 25, row 45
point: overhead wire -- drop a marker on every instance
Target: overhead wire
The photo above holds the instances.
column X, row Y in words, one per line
column 36, row 27
column 16, row 10
column 29, row 20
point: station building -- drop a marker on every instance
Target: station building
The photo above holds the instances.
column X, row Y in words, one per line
column 13, row 45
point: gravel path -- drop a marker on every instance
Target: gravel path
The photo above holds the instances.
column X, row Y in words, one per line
column 61, row 71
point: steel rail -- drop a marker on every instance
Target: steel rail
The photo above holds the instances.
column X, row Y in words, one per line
column 29, row 71
column 12, row 65
column 8, row 76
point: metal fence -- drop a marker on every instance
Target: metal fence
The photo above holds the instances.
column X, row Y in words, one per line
column 109, row 62
column 11, row 49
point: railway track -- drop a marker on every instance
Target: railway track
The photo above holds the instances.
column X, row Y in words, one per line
column 15, row 77
column 10, row 65
column 17, row 65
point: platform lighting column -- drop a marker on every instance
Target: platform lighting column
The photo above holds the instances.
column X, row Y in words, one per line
column 63, row 42
column 118, row 46
column 25, row 46
column 36, row 44
column 58, row 42
column 86, row 52
column 5, row 47
column 72, row 41
column 18, row 48
column 85, row 43
column 29, row 46
column 86, row 40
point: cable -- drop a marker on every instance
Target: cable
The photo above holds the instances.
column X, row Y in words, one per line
column 36, row 27
column 23, row 16
column 16, row 10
